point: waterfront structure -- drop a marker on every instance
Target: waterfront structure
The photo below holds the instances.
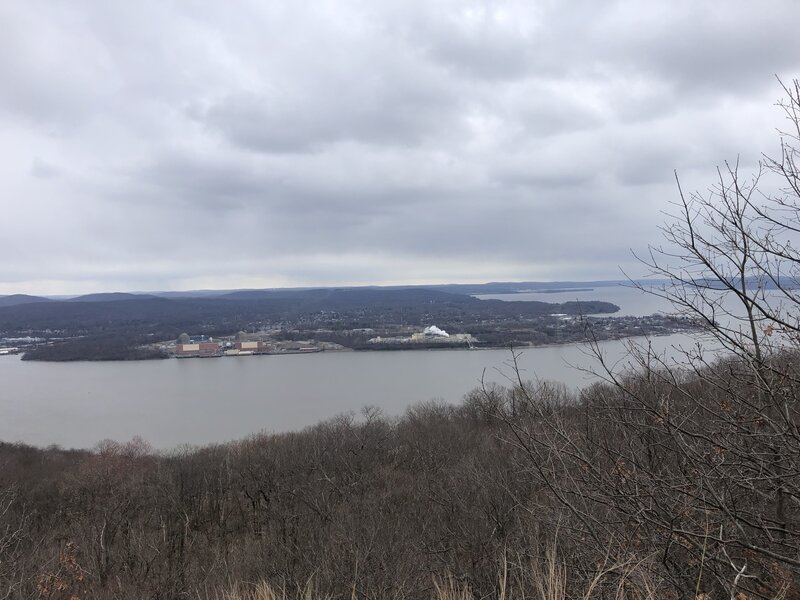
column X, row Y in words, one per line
column 203, row 347
column 244, row 347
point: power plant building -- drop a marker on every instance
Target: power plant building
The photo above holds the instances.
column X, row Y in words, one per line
column 199, row 349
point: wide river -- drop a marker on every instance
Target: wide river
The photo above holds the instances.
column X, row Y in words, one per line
column 200, row 401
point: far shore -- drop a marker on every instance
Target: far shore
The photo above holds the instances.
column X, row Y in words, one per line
column 386, row 348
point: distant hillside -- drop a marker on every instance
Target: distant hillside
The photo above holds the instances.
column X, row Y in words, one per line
column 110, row 297
column 349, row 298
column 352, row 307
column 514, row 287
column 17, row 299
column 117, row 326
column 508, row 287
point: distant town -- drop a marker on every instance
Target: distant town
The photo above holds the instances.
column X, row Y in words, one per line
column 269, row 322
column 557, row 329
column 241, row 344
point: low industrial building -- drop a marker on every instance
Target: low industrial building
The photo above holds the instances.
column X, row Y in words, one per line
column 202, row 346
column 244, row 347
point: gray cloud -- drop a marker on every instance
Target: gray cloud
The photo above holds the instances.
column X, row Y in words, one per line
column 41, row 169
column 158, row 146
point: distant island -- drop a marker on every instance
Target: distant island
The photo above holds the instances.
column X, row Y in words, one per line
column 123, row 326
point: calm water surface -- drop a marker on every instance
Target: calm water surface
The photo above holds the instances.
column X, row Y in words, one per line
column 631, row 302
column 198, row 401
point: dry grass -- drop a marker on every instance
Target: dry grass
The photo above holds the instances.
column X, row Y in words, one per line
column 543, row 580
column 264, row 591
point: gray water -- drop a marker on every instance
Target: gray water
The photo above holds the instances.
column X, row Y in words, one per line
column 199, row 401
column 631, row 302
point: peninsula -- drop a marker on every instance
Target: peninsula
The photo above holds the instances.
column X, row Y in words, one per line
column 145, row 326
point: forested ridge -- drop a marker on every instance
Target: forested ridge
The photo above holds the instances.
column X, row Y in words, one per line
column 349, row 307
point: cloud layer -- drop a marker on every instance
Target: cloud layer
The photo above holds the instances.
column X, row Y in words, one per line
column 162, row 145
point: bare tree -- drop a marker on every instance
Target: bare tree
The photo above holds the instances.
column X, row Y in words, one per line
column 732, row 263
column 11, row 532
column 695, row 467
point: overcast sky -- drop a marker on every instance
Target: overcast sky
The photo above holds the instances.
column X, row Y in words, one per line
column 156, row 145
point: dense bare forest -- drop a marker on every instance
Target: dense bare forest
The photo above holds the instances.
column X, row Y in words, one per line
column 676, row 480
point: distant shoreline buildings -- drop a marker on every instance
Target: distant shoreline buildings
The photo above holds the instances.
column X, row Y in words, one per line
column 431, row 334
column 206, row 347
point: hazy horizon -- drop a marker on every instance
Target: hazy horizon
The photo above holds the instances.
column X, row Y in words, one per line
column 568, row 283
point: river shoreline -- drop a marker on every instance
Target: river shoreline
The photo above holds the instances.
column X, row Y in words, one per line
column 377, row 350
